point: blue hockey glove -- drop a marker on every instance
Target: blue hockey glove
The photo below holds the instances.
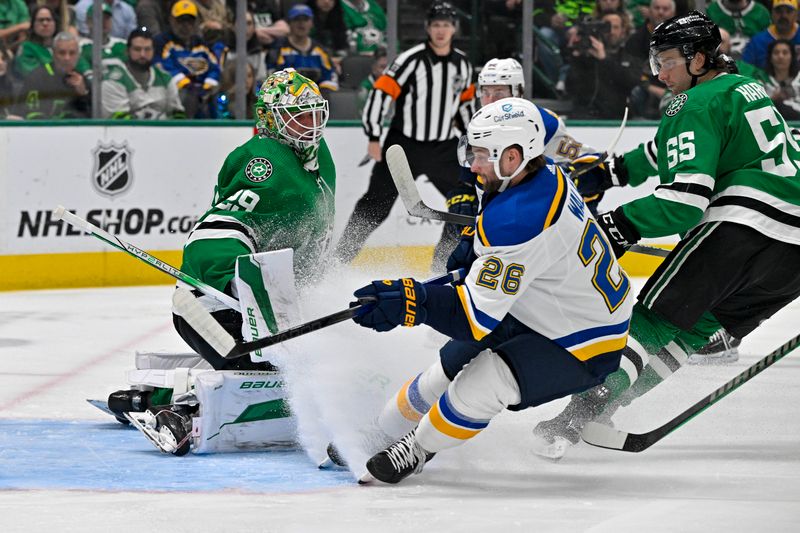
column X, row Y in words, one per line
column 464, row 254
column 620, row 232
column 463, row 200
column 399, row 302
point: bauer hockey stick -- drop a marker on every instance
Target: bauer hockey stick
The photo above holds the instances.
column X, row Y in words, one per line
column 409, row 194
column 187, row 306
column 607, row 437
column 73, row 220
column 602, row 157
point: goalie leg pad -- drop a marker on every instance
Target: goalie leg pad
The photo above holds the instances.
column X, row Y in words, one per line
column 241, row 411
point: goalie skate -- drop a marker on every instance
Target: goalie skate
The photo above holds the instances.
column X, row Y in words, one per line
column 168, row 428
column 722, row 349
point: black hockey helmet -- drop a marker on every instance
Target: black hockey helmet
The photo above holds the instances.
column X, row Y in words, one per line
column 441, row 11
column 690, row 33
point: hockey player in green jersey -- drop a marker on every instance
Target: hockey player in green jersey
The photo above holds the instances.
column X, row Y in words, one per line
column 729, row 169
column 274, row 192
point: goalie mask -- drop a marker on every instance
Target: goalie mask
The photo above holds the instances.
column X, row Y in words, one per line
column 503, row 72
column 500, row 125
column 291, row 110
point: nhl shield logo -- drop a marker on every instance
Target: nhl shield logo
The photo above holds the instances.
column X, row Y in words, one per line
column 112, row 173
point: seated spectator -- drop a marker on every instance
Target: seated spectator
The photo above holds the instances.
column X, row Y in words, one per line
column 329, row 29
column 741, row 18
column 56, row 90
column 647, row 95
column 216, row 26
column 135, row 88
column 185, row 56
column 366, row 25
column 37, row 50
column 256, row 52
column 640, row 12
column 745, row 69
column 379, row 63
column 601, row 7
column 638, row 44
column 228, row 93
column 114, row 49
column 15, row 21
column 122, row 15
column 601, row 73
column 268, row 16
column 784, row 26
column 299, row 51
column 8, row 89
column 783, row 84
column 153, row 15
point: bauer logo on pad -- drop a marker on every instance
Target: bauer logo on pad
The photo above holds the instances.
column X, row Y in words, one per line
column 112, row 173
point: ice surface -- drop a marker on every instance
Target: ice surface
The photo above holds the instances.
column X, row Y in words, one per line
column 66, row 466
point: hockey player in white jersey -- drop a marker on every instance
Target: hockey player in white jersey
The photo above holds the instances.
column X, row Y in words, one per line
column 544, row 310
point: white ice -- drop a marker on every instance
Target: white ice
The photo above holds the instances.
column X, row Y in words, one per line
column 735, row 467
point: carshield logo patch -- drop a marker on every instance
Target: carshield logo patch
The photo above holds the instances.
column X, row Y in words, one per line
column 112, row 173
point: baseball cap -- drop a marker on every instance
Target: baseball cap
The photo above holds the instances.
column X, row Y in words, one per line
column 299, row 10
column 106, row 10
column 788, row 3
column 184, row 7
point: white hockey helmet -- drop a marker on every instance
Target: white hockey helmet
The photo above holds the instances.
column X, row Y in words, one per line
column 501, row 124
column 503, row 72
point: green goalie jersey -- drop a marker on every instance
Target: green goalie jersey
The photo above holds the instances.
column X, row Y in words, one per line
column 724, row 154
column 264, row 200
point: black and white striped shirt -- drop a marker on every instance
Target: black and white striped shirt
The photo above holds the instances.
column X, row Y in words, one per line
column 434, row 95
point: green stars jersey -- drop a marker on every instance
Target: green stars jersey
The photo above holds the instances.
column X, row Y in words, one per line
column 264, row 200
column 724, row 154
column 124, row 97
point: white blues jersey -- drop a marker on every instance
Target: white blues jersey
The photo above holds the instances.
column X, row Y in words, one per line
column 558, row 144
column 537, row 240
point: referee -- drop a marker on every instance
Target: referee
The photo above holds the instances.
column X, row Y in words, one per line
column 431, row 85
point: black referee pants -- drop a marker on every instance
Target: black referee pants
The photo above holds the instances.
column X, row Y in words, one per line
column 436, row 159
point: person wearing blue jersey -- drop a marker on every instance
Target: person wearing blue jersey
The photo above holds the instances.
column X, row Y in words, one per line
column 185, row 56
column 540, row 257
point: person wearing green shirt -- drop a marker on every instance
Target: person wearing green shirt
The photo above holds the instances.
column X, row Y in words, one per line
column 115, row 50
column 366, row 25
column 275, row 191
column 14, row 21
column 37, row 50
column 729, row 169
column 741, row 18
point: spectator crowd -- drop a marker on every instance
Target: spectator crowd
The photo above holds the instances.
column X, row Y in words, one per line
column 176, row 58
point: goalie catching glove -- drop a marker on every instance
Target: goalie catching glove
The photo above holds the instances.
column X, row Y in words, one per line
column 398, row 302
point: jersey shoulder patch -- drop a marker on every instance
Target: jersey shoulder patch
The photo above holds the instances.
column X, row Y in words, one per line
column 519, row 214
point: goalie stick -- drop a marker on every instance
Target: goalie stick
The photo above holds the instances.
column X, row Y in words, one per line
column 607, row 437
column 74, row 220
column 409, row 194
column 187, row 306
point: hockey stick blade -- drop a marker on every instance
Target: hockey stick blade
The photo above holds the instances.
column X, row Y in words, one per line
column 607, row 437
column 187, row 306
column 416, row 207
column 77, row 222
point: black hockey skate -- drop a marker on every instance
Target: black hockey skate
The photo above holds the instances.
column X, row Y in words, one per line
column 398, row 461
column 722, row 348
column 558, row 434
column 168, row 427
column 127, row 401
